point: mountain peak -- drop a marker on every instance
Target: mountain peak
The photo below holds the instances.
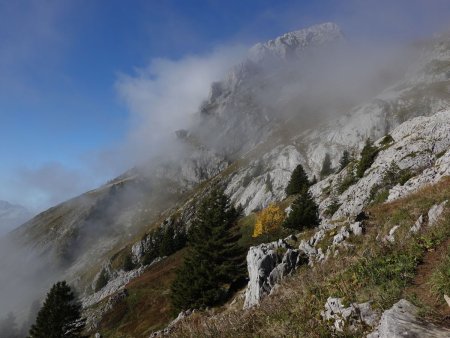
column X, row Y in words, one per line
column 292, row 43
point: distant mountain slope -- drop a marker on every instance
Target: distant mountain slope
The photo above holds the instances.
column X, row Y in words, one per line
column 12, row 215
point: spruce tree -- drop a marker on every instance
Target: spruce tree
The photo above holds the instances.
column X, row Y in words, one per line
column 60, row 315
column 304, row 213
column 345, row 160
column 128, row 264
column 326, row 166
column 215, row 261
column 298, row 182
column 368, row 155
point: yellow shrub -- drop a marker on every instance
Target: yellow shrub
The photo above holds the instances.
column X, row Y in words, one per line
column 268, row 220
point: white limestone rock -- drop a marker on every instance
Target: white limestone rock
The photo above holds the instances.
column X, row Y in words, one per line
column 265, row 180
column 357, row 228
column 341, row 236
column 350, row 316
column 267, row 264
column 418, row 225
column 402, row 321
column 390, row 237
column 435, row 213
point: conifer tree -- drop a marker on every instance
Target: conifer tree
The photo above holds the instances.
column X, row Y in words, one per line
column 304, row 213
column 128, row 264
column 368, row 155
column 345, row 160
column 214, row 261
column 326, row 166
column 60, row 315
column 298, row 182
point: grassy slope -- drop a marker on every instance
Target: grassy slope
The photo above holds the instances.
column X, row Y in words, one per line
column 147, row 307
column 371, row 271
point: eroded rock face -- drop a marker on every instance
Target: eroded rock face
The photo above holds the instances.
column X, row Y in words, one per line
column 419, row 145
column 267, row 264
column 264, row 180
column 402, row 321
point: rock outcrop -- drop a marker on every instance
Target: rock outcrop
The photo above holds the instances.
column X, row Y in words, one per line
column 435, row 213
column 267, row 264
column 402, row 321
column 350, row 316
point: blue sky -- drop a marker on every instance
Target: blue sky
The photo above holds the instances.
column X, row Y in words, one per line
column 70, row 71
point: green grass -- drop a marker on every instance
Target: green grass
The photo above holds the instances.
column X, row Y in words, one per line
column 440, row 279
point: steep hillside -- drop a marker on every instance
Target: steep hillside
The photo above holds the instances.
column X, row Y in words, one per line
column 266, row 117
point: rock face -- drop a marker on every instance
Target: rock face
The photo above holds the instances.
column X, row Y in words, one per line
column 121, row 278
column 350, row 316
column 417, row 147
column 292, row 44
column 402, row 321
column 265, row 179
column 267, row 264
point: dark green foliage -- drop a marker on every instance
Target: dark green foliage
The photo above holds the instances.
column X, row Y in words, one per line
column 128, row 264
column 332, row 208
column 326, row 167
column 347, row 181
column 269, row 186
column 164, row 241
column 368, row 155
column 387, row 140
column 304, row 214
column 215, row 261
column 393, row 176
column 298, row 182
column 60, row 316
column 8, row 327
column 102, row 280
column 345, row 160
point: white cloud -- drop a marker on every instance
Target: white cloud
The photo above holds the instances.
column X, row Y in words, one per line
column 163, row 96
column 45, row 186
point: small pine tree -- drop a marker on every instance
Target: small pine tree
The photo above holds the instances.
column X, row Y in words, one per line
column 215, row 261
column 298, row 182
column 304, row 213
column 128, row 264
column 368, row 155
column 326, row 166
column 60, row 315
column 345, row 160
column 102, row 280
column 268, row 220
column 167, row 246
